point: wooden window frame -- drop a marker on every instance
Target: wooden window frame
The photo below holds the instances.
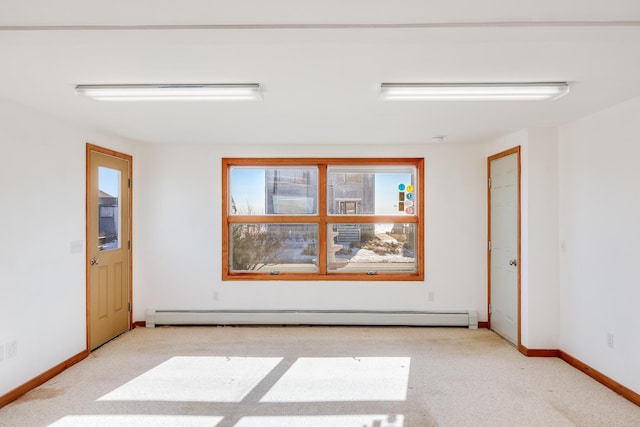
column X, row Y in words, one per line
column 322, row 218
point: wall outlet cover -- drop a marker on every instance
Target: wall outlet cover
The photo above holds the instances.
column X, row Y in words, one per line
column 11, row 349
column 610, row 340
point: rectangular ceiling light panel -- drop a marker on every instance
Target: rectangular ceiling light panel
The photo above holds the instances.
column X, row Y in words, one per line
column 172, row 92
column 472, row 91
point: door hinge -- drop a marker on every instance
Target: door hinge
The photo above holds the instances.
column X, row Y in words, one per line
column 489, row 245
column 129, row 308
column 129, row 244
column 489, row 308
column 489, row 182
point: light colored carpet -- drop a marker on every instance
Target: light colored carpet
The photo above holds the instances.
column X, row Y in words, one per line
column 318, row 376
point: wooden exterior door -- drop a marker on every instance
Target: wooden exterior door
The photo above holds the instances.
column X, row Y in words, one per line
column 108, row 245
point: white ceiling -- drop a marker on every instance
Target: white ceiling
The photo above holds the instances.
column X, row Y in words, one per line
column 320, row 64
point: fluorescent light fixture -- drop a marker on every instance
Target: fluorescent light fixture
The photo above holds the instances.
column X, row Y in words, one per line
column 172, row 92
column 472, row 91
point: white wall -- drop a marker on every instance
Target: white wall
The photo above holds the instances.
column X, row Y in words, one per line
column 600, row 237
column 541, row 293
column 42, row 210
column 178, row 234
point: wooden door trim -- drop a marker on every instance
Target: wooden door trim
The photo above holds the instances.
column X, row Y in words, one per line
column 97, row 149
column 514, row 150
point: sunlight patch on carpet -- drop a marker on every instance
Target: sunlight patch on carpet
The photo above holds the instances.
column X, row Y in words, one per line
column 136, row 421
column 324, row 421
column 197, row 379
column 339, row 379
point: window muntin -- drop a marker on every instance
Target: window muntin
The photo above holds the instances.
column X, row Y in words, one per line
column 286, row 229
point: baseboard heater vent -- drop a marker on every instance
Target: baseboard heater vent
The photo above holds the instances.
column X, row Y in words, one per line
column 466, row 318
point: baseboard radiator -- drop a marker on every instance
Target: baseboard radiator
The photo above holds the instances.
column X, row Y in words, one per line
column 462, row 318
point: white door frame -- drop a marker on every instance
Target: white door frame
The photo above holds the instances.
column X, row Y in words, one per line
column 514, row 150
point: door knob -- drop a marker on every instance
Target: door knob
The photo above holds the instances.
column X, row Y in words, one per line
column 513, row 262
column 94, row 261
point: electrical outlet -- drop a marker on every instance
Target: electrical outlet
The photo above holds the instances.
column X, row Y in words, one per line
column 12, row 349
column 431, row 296
column 610, row 340
column 215, row 296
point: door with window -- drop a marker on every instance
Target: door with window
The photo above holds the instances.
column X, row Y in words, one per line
column 108, row 244
column 504, row 244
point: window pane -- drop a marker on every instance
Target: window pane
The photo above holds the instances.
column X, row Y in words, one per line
column 375, row 248
column 274, row 248
column 108, row 208
column 384, row 190
column 274, row 191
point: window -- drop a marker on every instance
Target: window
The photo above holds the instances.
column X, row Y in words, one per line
column 323, row 219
